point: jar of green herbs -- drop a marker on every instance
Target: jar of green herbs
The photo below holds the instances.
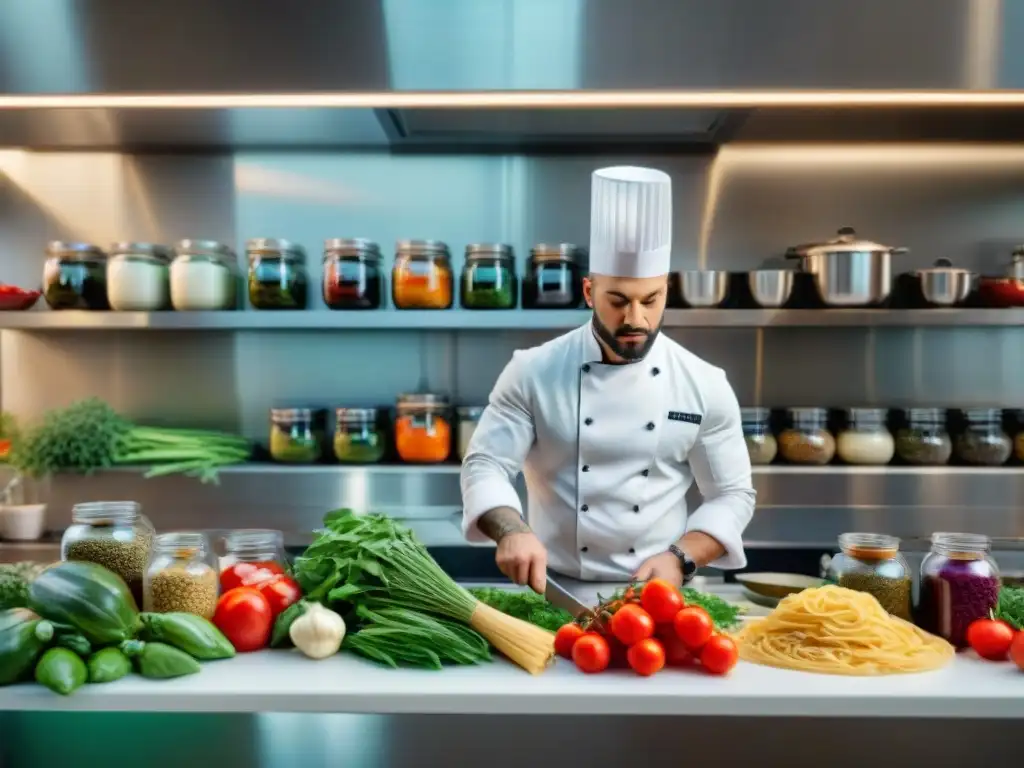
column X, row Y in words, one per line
column 358, row 436
column 489, row 278
column 297, row 434
column 872, row 563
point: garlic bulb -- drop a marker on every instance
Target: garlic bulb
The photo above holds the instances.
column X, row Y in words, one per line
column 318, row 632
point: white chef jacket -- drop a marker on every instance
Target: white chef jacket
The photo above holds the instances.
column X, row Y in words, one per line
column 609, row 452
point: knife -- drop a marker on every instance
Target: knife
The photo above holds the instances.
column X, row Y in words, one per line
column 562, row 598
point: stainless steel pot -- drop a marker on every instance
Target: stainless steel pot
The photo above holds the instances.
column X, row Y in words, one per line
column 770, row 287
column 848, row 272
column 704, row 287
column 945, row 285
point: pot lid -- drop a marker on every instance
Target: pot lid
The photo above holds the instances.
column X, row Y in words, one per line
column 845, row 241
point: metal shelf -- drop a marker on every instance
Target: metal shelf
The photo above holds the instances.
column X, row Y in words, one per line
column 515, row 319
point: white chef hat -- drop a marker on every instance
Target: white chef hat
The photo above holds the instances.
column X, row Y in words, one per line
column 630, row 222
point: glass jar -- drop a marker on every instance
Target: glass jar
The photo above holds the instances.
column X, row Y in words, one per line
column 422, row 277
column 358, row 437
column 924, row 441
column 75, row 276
column 182, row 575
column 297, row 434
column 866, row 439
column 761, row 443
column 872, row 563
column 277, row 274
column 983, row 441
column 807, row 440
column 138, row 277
column 204, row 276
column 252, row 555
column 489, row 278
column 554, row 277
column 423, row 432
column 959, row 583
column 114, row 534
column 469, row 416
column 1018, row 442
column 352, row 274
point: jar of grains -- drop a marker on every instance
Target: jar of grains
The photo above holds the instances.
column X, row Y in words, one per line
column 204, row 276
column 469, row 416
column 114, row 534
column 182, row 575
column 924, row 441
column 761, row 443
column 138, row 277
column 872, row 563
column 959, row 584
column 807, row 440
column 866, row 439
column 983, row 441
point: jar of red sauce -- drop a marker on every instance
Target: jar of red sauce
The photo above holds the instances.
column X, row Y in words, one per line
column 251, row 556
column 423, row 428
column 353, row 278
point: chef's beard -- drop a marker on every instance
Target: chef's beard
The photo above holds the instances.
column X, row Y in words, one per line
column 630, row 352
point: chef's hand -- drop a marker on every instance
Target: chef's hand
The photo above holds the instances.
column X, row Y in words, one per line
column 664, row 566
column 523, row 559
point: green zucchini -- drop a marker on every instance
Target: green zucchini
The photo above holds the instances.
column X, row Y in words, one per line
column 88, row 597
column 23, row 635
column 159, row 661
column 187, row 632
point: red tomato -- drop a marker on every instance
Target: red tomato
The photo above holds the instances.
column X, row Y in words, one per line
column 990, row 639
column 245, row 618
column 631, row 624
column 280, row 591
column 566, row 637
column 661, row 599
column 1017, row 650
column 591, row 654
column 646, row 657
column 719, row 655
column 694, row 627
column 676, row 652
column 247, row 574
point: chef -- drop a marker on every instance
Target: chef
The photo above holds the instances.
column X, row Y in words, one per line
column 611, row 424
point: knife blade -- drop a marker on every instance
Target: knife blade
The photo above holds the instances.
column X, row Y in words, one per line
column 562, row 598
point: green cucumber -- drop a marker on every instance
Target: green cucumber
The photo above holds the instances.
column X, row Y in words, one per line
column 108, row 665
column 88, row 597
column 23, row 636
column 62, row 671
column 187, row 632
column 159, row 661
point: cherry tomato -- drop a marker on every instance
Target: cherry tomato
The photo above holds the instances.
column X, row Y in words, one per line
column 280, row 591
column 1017, row 650
column 694, row 627
column 719, row 655
column 245, row 618
column 631, row 624
column 990, row 639
column 661, row 599
column 676, row 652
column 566, row 637
column 646, row 657
column 247, row 574
column 590, row 653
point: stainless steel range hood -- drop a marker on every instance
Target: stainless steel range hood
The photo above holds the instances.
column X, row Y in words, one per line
column 496, row 47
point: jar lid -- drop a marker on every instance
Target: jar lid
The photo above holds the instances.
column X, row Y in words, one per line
column 183, row 542
column 436, row 248
column 274, row 246
column 983, row 415
column 152, row 250
column 351, row 246
column 296, row 414
column 927, row 415
column 808, row 413
column 422, row 400
column 246, row 539
column 75, row 251
column 470, row 412
column 869, row 546
column 355, row 415
column 211, row 249
column 475, row 251
column 966, row 546
column 106, row 512
column 559, row 252
column 867, row 415
column 754, row 415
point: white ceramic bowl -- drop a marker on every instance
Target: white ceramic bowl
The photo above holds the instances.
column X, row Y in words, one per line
column 23, row 522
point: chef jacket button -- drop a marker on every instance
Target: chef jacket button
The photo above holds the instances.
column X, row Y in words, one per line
column 586, row 467
column 584, row 508
column 646, row 472
column 583, row 549
column 636, row 508
column 655, row 371
column 632, row 551
column 650, row 425
column 586, row 369
column 588, row 421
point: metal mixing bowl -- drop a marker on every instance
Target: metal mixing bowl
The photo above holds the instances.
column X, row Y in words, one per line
column 945, row 285
column 704, row 287
column 771, row 287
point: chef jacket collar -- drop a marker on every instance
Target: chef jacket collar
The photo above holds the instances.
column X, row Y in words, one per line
column 592, row 352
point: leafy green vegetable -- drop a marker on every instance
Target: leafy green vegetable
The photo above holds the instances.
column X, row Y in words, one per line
column 13, row 588
column 1010, row 607
column 525, row 605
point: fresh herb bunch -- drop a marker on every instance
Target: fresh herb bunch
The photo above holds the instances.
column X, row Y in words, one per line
column 14, row 581
column 1010, row 607
column 525, row 605
column 724, row 615
column 90, row 435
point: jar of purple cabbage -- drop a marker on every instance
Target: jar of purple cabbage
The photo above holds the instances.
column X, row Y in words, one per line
column 959, row 583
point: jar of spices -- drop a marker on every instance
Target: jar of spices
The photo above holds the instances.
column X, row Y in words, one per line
column 358, row 436
column 554, row 277
column 761, row 443
column 277, row 274
column 182, row 575
column 924, row 441
column 353, row 278
column 983, row 441
column 959, row 584
column 75, row 276
column 423, row 432
column 114, row 534
column 297, row 434
column 807, row 440
column 469, row 416
column 138, row 277
column 489, row 278
column 204, row 276
column 866, row 439
column 872, row 563
column 422, row 276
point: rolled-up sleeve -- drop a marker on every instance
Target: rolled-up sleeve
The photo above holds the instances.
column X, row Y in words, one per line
column 500, row 444
column 721, row 468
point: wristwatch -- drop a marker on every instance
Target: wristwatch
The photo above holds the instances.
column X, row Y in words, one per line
column 689, row 567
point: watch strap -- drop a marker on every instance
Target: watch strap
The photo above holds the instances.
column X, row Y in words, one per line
column 688, row 566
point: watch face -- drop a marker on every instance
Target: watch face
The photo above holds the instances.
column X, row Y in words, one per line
column 689, row 567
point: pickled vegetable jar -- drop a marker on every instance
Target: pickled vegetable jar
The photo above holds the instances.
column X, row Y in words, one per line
column 358, row 436
column 924, row 441
column 422, row 276
column 554, row 277
column 983, row 441
column 204, row 276
column 866, row 439
column 959, row 583
column 252, row 554
column 139, row 277
column 75, row 276
column 469, row 416
column 807, row 440
column 277, row 274
column 489, row 278
column 352, row 274
column 297, row 434
column 182, row 575
column 423, row 432
column 761, row 443
column 872, row 563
